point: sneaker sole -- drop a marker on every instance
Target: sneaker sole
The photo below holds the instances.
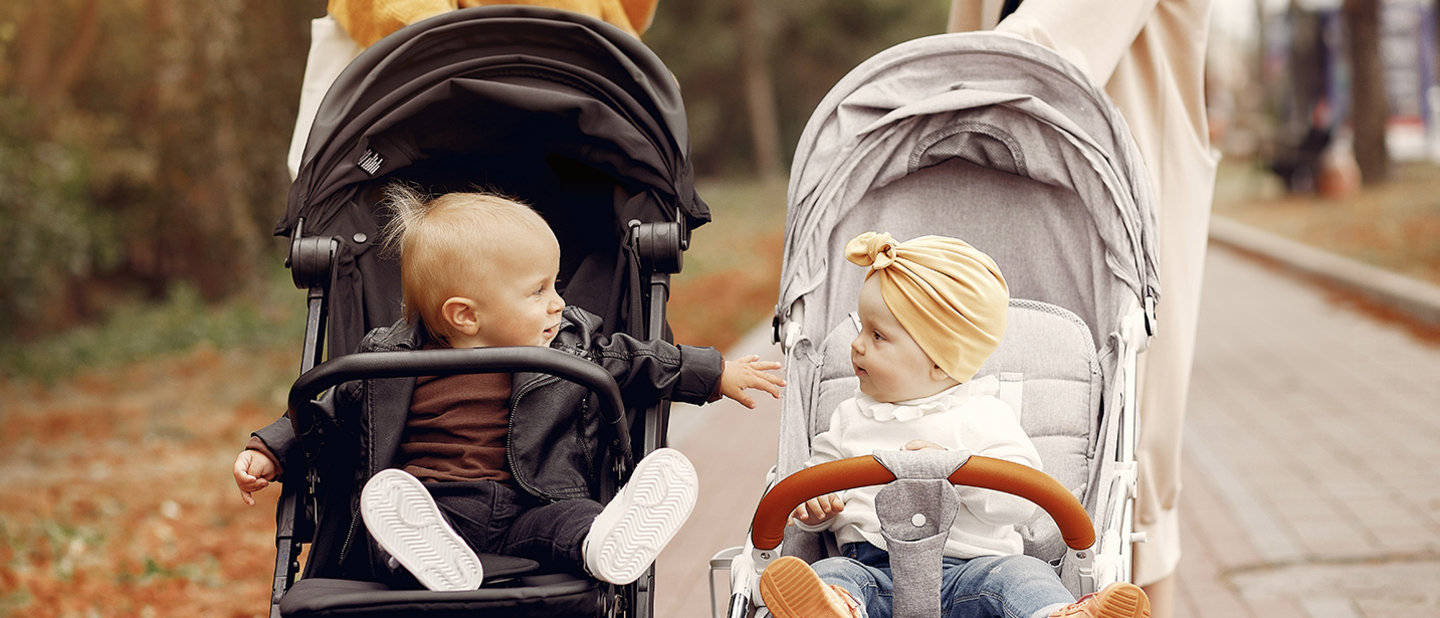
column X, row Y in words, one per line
column 654, row 505
column 404, row 520
column 1125, row 601
column 791, row 589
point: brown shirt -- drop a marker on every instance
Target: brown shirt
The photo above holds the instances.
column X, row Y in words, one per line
column 457, row 428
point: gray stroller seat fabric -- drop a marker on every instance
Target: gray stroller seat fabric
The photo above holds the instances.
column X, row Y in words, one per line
column 1047, row 349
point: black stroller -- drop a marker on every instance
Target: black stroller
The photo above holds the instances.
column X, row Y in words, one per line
column 563, row 111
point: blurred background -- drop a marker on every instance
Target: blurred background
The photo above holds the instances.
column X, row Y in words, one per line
column 147, row 323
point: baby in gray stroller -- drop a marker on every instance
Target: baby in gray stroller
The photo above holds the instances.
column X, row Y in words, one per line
column 931, row 311
column 504, row 464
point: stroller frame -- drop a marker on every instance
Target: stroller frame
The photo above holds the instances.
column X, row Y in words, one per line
column 1026, row 131
column 655, row 208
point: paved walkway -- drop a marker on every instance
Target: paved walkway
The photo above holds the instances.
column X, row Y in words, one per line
column 1312, row 456
column 1312, row 462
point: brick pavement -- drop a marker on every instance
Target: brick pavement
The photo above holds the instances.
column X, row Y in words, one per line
column 1312, row 462
column 1311, row 468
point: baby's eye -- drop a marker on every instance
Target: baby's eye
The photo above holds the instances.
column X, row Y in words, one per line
column 877, row 336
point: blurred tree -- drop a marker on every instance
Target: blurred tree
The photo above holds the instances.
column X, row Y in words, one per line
column 759, row 91
column 1371, row 109
column 141, row 142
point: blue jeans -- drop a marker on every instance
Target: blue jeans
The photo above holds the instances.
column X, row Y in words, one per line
column 989, row 586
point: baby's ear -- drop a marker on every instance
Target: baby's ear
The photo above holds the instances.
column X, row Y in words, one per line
column 461, row 314
column 937, row 374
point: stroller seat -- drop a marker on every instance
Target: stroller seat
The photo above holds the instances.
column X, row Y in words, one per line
column 509, row 584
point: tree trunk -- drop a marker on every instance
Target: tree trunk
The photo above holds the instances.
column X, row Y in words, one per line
column 759, row 92
column 1370, row 109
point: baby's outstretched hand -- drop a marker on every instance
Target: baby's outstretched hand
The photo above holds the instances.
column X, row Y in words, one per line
column 253, row 472
column 816, row 511
column 747, row 373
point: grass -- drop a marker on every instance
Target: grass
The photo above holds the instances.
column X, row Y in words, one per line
column 115, row 492
column 135, row 330
column 1395, row 226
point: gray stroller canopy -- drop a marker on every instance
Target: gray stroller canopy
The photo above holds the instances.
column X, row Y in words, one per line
column 988, row 138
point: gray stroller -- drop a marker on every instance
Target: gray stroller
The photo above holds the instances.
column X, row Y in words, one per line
column 1004, row 144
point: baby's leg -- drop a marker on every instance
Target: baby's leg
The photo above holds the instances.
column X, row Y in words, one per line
column 618, row 542
column 793, row 589
column 1001, row 586
column 552, row 534
column 404, row 520
column 871, row 586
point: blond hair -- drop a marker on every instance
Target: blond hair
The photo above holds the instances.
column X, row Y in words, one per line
column 437, row 238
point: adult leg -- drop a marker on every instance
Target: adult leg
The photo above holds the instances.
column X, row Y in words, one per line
column 1155, row 75
column 331, row 50
column 1159, row 88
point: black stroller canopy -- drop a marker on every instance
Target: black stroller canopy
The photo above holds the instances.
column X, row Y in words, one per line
column 520, row 85
column 560, row 110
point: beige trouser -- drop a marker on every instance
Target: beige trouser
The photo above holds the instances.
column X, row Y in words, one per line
column 1150, row 54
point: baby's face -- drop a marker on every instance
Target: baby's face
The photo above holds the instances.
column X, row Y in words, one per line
column 519, row 305
column 890, row 364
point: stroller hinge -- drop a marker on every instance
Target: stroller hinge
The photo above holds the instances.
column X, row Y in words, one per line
column 660, row 245
column 310, row 258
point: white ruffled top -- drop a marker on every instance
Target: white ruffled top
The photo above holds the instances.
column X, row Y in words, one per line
column 967, row 416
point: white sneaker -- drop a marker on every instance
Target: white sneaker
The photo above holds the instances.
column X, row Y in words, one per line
column 404, row 520
column 632, row 530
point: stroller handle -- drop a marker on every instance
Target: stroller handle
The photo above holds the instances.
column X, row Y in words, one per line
column 767, row 530
column 414, row 363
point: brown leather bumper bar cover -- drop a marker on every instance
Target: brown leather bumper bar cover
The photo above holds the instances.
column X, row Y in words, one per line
column 767, row 530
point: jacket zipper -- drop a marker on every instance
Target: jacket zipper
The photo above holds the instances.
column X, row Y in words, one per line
column 349, row 536
column 510, row 431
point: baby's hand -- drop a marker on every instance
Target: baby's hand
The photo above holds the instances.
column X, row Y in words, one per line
column 253, row 472
column 816, row 511
column 746, row 373
column 922, row 445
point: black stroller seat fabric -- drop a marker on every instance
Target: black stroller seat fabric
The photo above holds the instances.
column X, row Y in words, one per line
column 510, row 590
column 556, row 109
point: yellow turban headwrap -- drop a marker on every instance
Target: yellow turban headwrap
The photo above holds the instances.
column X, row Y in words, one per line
column 948, row 295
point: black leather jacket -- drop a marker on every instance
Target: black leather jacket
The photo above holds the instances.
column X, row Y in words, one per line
column 555, row 427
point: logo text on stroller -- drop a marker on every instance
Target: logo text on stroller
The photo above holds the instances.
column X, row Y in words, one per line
column 370, row 161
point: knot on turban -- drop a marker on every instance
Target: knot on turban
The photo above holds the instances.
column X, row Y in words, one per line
column 871, row 249
column 949, row 296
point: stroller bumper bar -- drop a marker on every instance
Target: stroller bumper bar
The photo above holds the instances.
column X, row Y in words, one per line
column 767, row 529
column 451, row 362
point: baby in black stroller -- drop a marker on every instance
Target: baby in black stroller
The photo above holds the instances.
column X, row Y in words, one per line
column 504, row 468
